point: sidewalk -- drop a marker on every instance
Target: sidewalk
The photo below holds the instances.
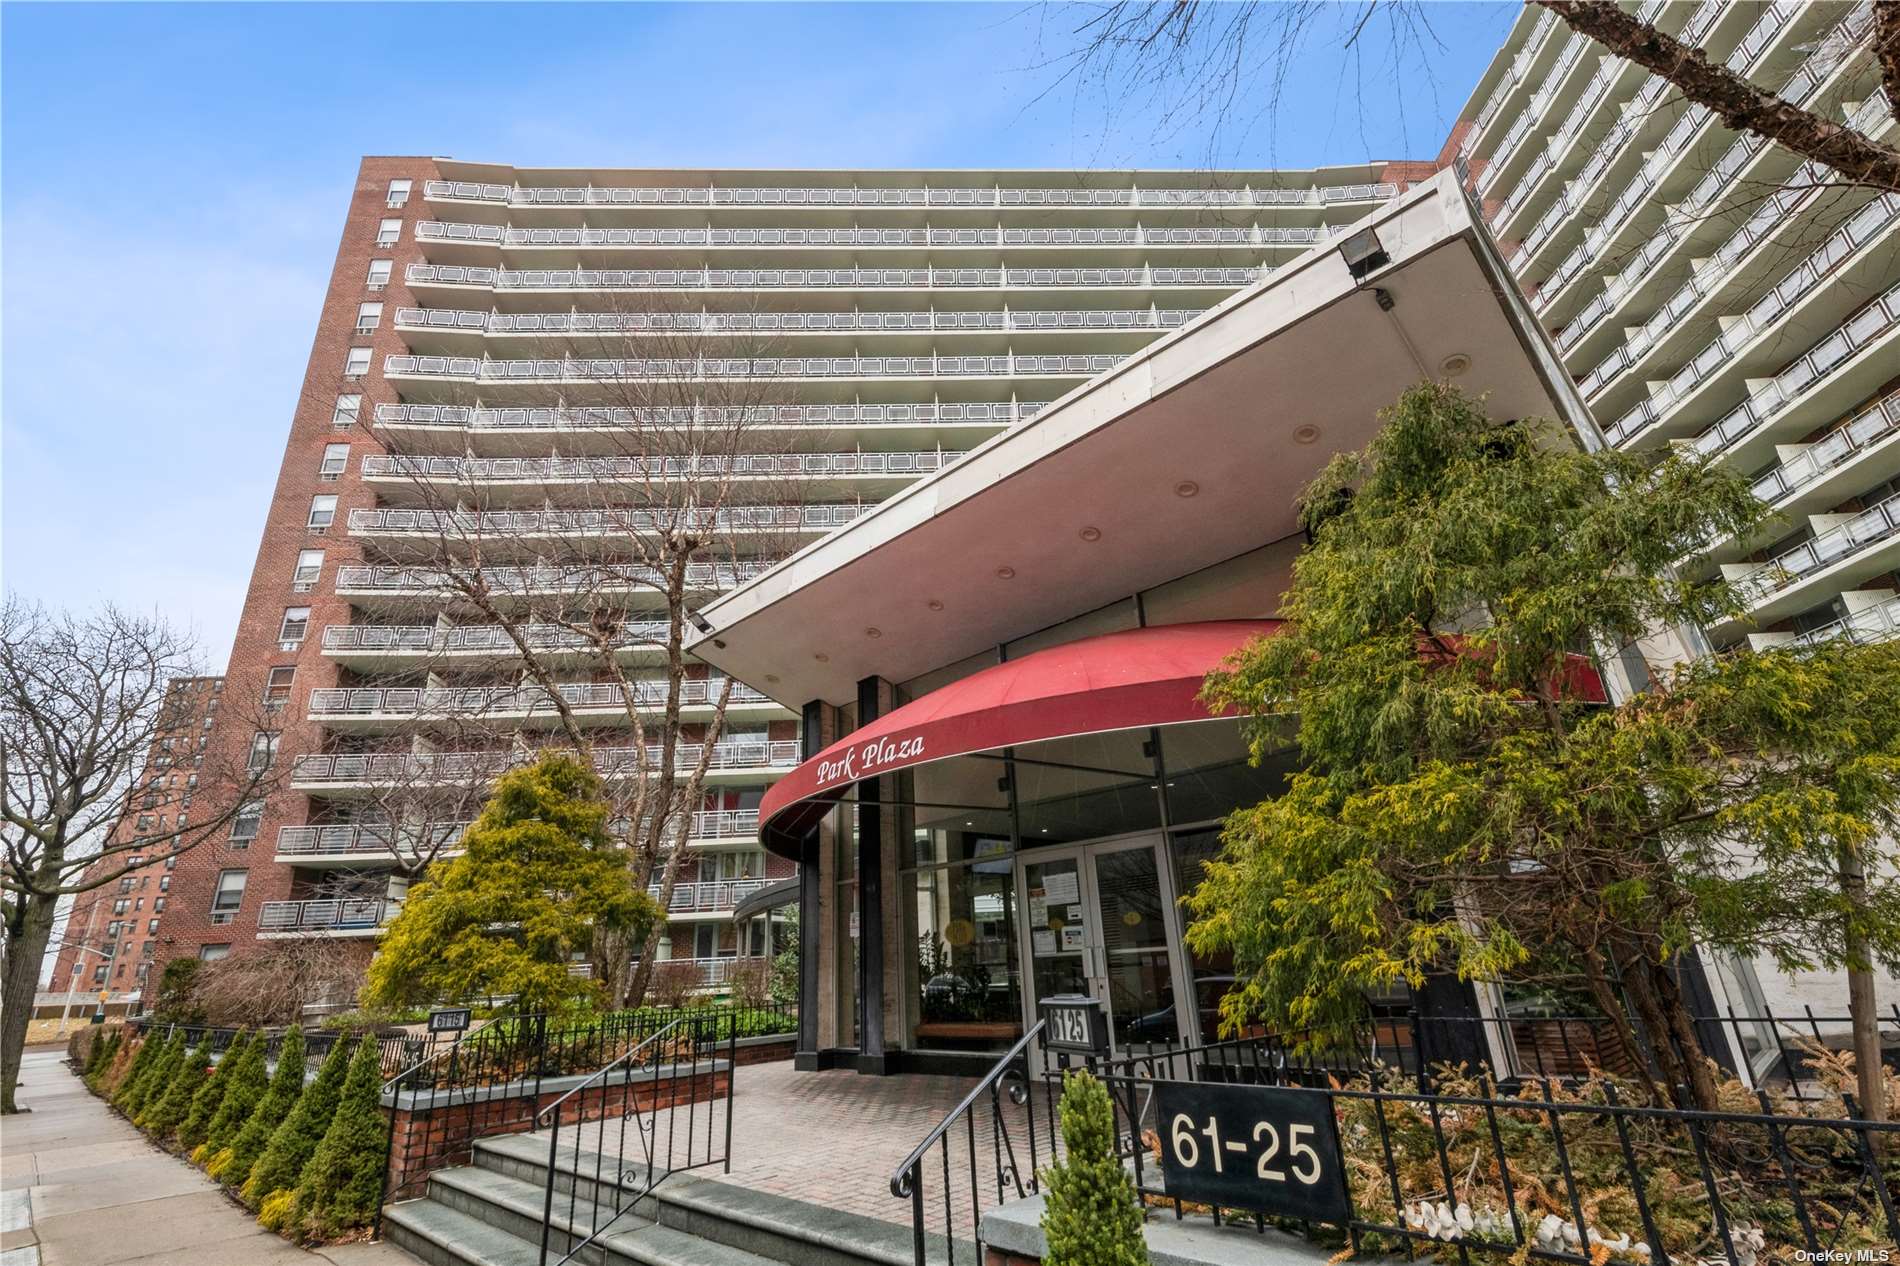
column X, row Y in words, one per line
column 80, row 1187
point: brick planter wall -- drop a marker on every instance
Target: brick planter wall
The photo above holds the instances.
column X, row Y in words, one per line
column 427, row 1136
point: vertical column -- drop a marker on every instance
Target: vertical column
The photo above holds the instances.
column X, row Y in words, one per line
column 871, row 1057
column 810, row 904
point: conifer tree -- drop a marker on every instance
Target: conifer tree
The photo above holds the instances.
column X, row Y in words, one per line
column 245, row 1080
column 133, row 1090
column 1092, row 1217
column 342, row 1182
column 291, row 1146
column 285, row 1087
column 210, row 1094
column 104, row 1047
column 166, row 1109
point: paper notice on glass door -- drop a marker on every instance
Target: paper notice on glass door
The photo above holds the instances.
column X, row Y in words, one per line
column 1071, row 937
column 1044, row 941
column 1061, row 889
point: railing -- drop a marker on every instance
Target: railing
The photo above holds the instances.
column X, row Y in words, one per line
column 579, row 417
column 390, row 767
column 611, row 369
column 712, row 897
column 359, row 839
column 482, row 700
column 511, row 523
column 530, row 580
column 676, row 1090
column 1872, row 526
column 594, row 469
column 832, row 196
column 1877, row 422
column 792, row 322
column 854, row 278
column 433, row 230
column 1871, row 624
column 326, row 915
column 482, row 638
column 1011, row 1143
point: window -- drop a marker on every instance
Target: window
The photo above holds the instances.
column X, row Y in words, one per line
column 112, row 929
column 158, row 905
column 99, row 974
column 322, row 512
column 296, row 623
column 336, row 459
column 151, row 927
column 348, row 406
column 368, row 317
column 144, row 822
column 245, row 821
column 263, row 750
column 302, row 580
column 277, row 686
column 212, row 953
column 164, row 883
column 229, row 896
column 138, row 903
column 379, row 270
column 118, row 907
column 389, row 232
column 357, row 364
column 399, row 192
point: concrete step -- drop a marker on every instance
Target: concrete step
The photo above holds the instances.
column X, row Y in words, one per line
column 785, row 1230
column 442, row 1236
column 583, row 1175
column 515, row 1206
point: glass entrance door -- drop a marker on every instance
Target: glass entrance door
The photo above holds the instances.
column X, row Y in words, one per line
column 1101, row 921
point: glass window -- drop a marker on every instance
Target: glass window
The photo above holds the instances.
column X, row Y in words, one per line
column 230, row 891
column 244, row 822
column 1210, row 774
column 296, row 624
column 302, row 580
column 399, row 192
column 1213, row 975
column 1085, row 788
column 389, row 232
column 368, row 317
column 962, row 986
column 151, row 927
column 212, row 953
column 277, row 686
column 348, row 407
column 379, row 270
column 263, row 750
column 322, row 512
column 357, row 363
column 336, row 459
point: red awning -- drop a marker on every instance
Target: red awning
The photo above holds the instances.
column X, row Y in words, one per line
column 1119, row 681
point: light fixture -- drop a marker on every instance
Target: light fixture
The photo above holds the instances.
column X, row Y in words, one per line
column 1305, row 434
column 1363, row 253
column 874, row 632
column 1090, row 533
column 1006, row 573
column 1383, row 297
column 935, row 604
column 1186, row 488
column 1454, row 364
column 699, row 621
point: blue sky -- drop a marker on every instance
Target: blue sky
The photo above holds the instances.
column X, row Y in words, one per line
column 173, row 179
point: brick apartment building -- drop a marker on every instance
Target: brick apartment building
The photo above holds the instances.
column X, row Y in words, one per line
column 117, row 936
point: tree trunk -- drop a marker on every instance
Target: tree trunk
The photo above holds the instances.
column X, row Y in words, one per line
column 26, row 946
column 1668, row 1030
column 1860, row 995
column 1598, row 982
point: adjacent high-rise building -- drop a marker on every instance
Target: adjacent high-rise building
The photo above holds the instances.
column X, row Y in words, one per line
column 488, row 372
column 1706, row 288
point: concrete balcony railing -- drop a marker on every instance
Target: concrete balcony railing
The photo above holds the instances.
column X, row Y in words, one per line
column 1878, row 623
column 370, row 840
column 859, row 239
column 623, row 369
column 714, row 973
column 476, row 701
column 560, row 323
column 1878, row 524
column 398, row 768
column 524, row 581
column 477, row 639
column 497, row 525
column 329, row 915
column 715, row 897
column 582, row 418
column 1874, row 425
column 598, row 469
column 1514, row 75
column 1869, row 323
column 831, row 196
column 907, row 279
column 305, row 843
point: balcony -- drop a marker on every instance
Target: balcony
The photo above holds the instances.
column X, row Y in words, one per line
column 588, row 701
column 955, row 322
column 529, row 582
column 470, row 418
column 594, row 470
column 1858, row 538
column 1833, row 452
column 327, row 771
column 715, row 973
column 503, row 526
column 906, row 279
column 823, row 196
column 475, row 641
column 359, row 915
column 1877, row 623
column 717, row 897
column 1514, row 75
column 357, row 843
column 605, row 371
column 512, row 238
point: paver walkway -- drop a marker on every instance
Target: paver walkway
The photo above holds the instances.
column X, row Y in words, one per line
column 80, row 1187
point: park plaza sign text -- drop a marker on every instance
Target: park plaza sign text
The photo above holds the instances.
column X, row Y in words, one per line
column 864, row 760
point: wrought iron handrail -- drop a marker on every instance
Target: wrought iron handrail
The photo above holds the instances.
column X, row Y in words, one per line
column 907, row 1180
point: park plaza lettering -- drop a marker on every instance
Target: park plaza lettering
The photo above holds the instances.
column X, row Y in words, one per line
column 862, row 762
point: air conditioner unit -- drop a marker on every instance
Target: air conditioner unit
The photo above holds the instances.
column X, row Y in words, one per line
column 289, row 646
